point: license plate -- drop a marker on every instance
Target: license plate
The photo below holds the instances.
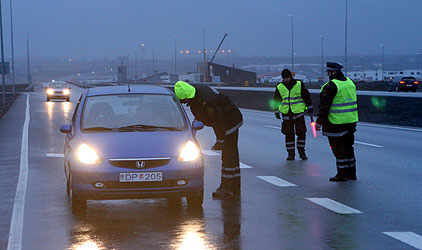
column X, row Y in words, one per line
column 141, row 176
column 409, row 85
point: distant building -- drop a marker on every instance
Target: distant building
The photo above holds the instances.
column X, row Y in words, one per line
column 376, row 75
column 163, row 77
column 230, row 74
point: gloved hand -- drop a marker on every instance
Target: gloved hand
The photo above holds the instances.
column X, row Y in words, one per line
column 217, row 146
column 318, row 127
column 310, row 111
column 277, row 115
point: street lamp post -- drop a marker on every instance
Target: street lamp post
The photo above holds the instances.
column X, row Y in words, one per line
column 175, row 55
column 205, row 56
column 322, row 57
column 153, row 58
column 420, row 63
column 3, row 79
column 13, row 51
column 345, row 43
column 382, row 63
column 292, row 44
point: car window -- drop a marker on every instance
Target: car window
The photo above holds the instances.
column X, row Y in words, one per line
column 117, row 111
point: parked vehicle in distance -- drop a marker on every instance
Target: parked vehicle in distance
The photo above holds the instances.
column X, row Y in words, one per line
column 403, row 84
column 132, row 143
column 58, row 90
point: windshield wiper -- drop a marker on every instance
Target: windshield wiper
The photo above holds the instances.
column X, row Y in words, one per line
column 148, row 127
column 99, row 129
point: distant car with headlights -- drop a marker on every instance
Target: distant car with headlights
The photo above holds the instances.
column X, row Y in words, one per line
column 130, row 144
column 403, row 84
column 58, row 90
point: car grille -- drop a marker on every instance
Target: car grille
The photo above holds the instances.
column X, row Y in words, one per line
column 58, row 92
column 132, row 164
column 139, row 185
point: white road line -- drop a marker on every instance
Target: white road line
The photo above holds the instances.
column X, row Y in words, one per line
column 16, row 224
column 409, row 238
column 368, row 144
column 210, row 153
column 389, row 127
column 242, row 165
column 56, row 111
column 55, row 155
column 269, row 126
column 334, row 206
column 276, row 181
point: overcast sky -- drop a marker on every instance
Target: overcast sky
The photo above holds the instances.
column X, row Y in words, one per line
column 98, row 28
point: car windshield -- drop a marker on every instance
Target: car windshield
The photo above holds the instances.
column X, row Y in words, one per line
column 57, row 85
column 134, row 112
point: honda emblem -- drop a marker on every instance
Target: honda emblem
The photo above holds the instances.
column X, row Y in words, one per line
column 140, row 164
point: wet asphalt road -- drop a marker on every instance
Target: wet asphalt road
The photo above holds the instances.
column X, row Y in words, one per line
column 276, row 211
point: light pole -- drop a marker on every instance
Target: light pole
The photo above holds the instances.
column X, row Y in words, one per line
column 322, row 57
column 382, row 63
column 153, row 58
column 292, row 44
column 13, row 51
column 345, row 43
column 205, row 56
column 420, row 63
column 3, row 80
column 29, row 77
column 175, row 55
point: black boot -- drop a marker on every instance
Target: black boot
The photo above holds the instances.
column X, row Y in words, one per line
column 351, row 173
column 291, row 156
column 302, row 154
column 340, row 176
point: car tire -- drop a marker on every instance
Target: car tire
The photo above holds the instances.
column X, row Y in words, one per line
column 389, row 89
column 48, row 99
column 77, row 203
column 195, row 199
column 67, row 99
column 414, row 90
column 67, row 186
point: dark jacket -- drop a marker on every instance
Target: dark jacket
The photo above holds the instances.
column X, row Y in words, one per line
column 216, row 110
column 329, row 91
column 304, row 94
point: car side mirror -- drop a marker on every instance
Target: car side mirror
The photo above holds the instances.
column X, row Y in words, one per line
column 66, row 128
column 197, row 125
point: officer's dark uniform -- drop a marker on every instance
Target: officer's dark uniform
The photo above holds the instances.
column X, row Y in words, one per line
column 217, row 110
column 293, row 121
column 340, row 135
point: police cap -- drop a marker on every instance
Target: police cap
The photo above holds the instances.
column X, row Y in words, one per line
column 333, row 66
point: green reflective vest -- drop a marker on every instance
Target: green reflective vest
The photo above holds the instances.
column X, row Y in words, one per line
column 345, row 107
column 291, row 99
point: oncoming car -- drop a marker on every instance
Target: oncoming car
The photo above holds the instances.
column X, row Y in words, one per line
column 58, row 90
column 132, row 143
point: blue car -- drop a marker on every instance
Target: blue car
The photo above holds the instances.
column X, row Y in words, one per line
column 129, row 143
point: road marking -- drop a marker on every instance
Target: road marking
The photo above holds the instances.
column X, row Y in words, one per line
column 334, row 206
column 242, row 165
column 276, row 181
column 210, row 153
column 409, row 238
column 16, row 224
column 55, row 155
column 368, row 144
column 56, row 111
column 268, row 126
column 389, row 127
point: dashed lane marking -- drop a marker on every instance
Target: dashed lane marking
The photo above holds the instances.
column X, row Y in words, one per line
column 55, row 155
column 269, row 126
column 409, row 238
column 242, row 165
column 54, row 111
column 16, row 224
column 209, row 153
column 334, row 206
column 276, row 181
column 368, row 144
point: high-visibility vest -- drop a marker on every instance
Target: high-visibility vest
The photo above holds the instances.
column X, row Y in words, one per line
column 291, row 99
column 344, row 108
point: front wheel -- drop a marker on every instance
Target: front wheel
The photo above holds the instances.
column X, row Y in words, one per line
column 195, row 199
column 78, row 204
column 67, row 99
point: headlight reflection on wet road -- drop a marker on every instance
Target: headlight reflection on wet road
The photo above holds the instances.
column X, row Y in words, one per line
column 89, row 245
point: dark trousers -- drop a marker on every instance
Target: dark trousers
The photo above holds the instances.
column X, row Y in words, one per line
column 342, row 148
column 291, row 127
column 230, row 170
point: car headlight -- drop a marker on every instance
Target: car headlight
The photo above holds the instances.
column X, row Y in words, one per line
column 66, row 92
column 87, row 155
column 50, row 91
column 190, row 152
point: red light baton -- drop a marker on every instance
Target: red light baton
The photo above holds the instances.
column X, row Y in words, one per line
column 313, row 126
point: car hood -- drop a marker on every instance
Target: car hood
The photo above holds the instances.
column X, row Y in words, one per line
column 137, row 144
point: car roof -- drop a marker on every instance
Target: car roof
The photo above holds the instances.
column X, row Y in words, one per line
column 134, row 89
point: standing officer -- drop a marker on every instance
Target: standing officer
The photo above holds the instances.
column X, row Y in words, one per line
column 292, row 99
column 218, row 111
column 338, row 114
